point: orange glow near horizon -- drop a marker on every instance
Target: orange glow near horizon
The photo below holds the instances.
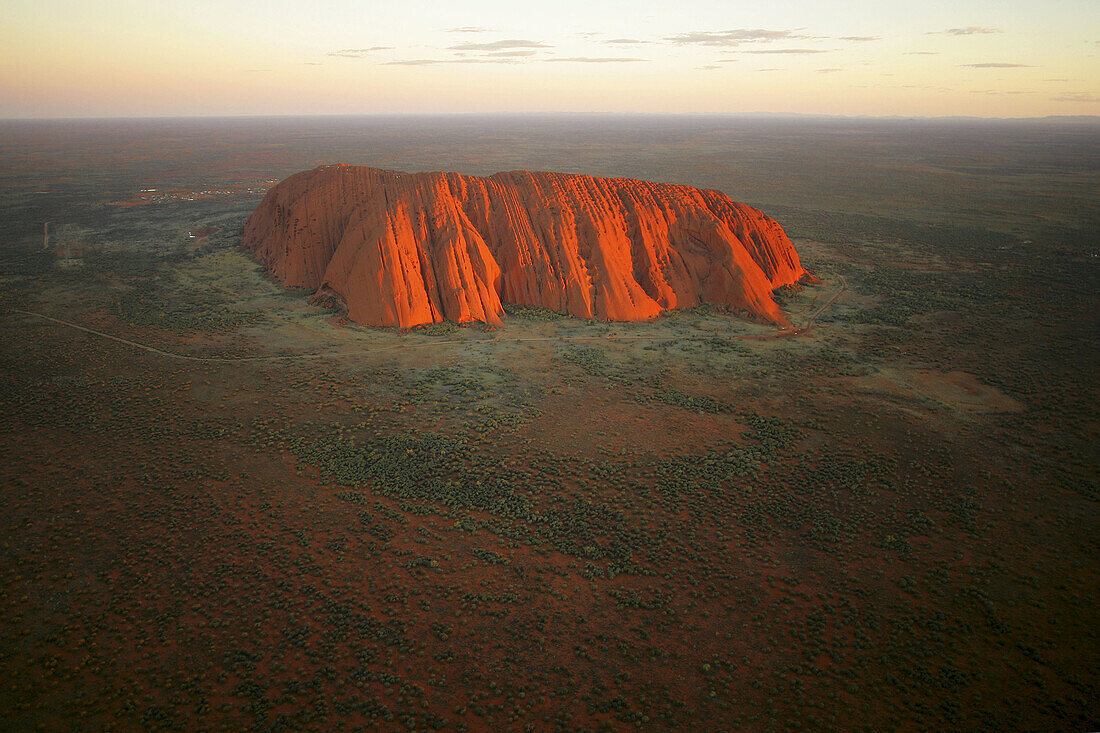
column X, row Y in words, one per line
column 122, row 58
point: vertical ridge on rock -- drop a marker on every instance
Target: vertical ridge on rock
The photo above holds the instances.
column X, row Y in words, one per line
column 405, row 249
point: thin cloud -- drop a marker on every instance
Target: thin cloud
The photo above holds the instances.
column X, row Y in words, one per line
column 708, row 67
column 921, row 53
column 790, row 50
column 971, row 30
column 1077, row 97
column 511, row 54
column 771, row 69
column 733, row 37
column 861, row 39
column 598, row 59
column 828, row 71
column 357, row 53
column 625, row 40
column 996, row 65
column 727, row 61
column 430, row 62
column 498, row 45
column 469, row 29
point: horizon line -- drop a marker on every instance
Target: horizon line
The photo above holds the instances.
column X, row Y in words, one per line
column 576, row 114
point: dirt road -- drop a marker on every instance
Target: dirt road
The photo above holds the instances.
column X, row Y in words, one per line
column 785, row 333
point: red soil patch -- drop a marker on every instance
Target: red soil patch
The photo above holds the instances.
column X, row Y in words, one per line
column 955, row 389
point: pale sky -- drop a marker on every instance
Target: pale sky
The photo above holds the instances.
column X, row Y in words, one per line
column 137, row 58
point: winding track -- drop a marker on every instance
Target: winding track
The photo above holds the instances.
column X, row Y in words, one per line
column 786, row 333
column 829, row 302
column 808, row 325
column 162, row 352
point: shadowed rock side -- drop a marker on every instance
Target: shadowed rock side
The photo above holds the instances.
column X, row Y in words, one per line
column 404, row 249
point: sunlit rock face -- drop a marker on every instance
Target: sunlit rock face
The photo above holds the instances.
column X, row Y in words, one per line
column 405, row 249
